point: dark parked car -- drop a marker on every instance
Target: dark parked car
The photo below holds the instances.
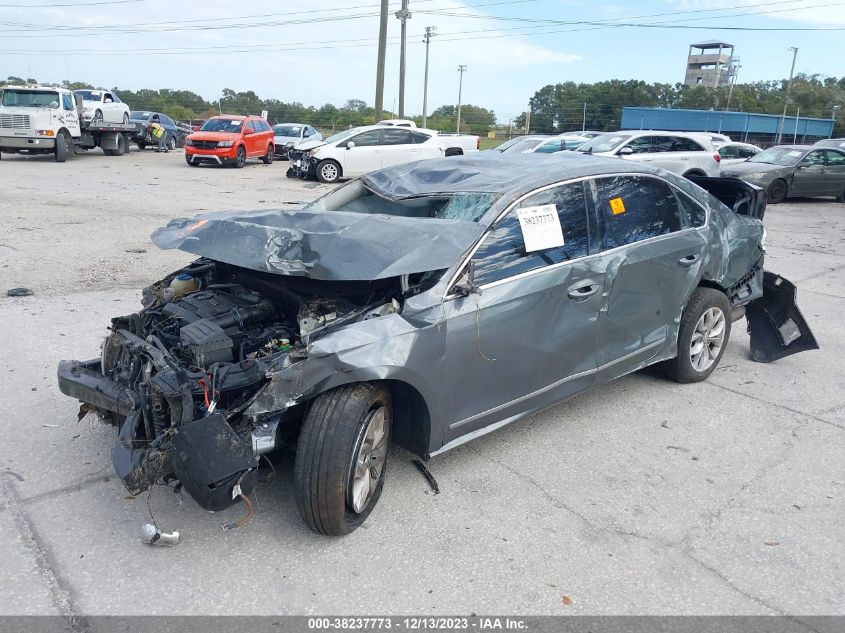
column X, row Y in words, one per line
column 787, row 171
column 147, row 118
column 836, row 143
column 428, row 304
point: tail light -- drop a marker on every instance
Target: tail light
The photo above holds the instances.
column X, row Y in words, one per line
column 717, row 158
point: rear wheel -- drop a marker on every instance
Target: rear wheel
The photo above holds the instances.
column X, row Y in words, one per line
column 142, row 145
column 454, row 151
column 240, row 157
column 703, row 336
column 328, row 171
column 125, row 118
column 268, row 159
column 776, row 192
column 98, row 117
column 340, row 459
column 171, row 144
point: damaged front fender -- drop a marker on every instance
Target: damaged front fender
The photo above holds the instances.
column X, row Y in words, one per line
column 775, row 324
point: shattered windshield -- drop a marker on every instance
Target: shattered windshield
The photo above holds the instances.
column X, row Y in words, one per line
column 778, row 156
column 603, row 143
column 356, row 198
column 30, row 98
column 341, row 135
column 287, row 130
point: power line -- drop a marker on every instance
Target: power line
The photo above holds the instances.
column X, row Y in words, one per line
column 66, row 5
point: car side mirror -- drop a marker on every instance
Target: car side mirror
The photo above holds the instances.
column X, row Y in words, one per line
column 466, row 284
column 350, row 145
column 625, row 151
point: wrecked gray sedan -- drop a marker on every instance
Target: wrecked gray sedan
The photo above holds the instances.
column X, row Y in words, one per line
column 427, row 304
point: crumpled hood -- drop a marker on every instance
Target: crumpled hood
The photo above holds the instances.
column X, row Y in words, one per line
column 336, row 245
column 309, row 145
column 747, row 167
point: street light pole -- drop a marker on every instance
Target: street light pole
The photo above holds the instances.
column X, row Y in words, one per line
column 404, row 15
column 833, row 118
column 461, row 69
column 382, row 49
column 430, row 32
column 786, row 96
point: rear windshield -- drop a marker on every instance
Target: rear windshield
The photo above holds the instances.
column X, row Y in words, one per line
column 140, row 116
column 603, row 143
column 30, row 98
column 523, row 145
column 222, row 125
column 356, row 198
column 778, row 156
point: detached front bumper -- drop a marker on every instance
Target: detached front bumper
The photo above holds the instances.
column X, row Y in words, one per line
column 205, row 454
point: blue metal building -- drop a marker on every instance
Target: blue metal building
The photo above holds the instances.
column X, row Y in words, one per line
column 740, row 126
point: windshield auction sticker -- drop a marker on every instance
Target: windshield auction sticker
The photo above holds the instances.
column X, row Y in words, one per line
column 540, row 227
column 617, row 207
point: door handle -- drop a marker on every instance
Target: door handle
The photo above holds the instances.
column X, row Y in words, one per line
column 580, row 293
column 688, row 261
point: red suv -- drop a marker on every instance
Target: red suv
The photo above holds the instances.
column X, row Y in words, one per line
column 230, row 140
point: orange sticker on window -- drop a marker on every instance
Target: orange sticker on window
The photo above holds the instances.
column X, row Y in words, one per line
column 617, row 206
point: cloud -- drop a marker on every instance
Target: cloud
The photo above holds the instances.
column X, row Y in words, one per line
column 813, row 12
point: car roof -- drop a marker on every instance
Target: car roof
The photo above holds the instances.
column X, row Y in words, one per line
column 513, row 174
column 234, row 117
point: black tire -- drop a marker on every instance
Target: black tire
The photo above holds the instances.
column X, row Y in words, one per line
column 61, row 148
column 268, row 159
column 454, row 151
column 98, row 117
column 141, row 145
column 171, row 144
column 240, row 157
column 776, row 192
column 841, row 197
column 328, row 171
column 121, row 145
column 694, row 174
column 125, row 118
column 681, row 367
column 329, row 443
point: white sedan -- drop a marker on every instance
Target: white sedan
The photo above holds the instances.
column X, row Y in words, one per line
column 102, row 106
column 361, row 150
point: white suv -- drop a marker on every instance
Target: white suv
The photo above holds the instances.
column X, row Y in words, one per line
column 102, row 106
column 678, row 152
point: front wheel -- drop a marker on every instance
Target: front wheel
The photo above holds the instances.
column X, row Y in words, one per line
column 125, row 118
column 61, row 148
column 240, row 157
column 328, row 171
column 268, row 159
column 703, row 336
column 340, row 458
column 776, row 192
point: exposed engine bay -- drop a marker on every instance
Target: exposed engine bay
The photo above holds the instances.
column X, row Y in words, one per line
column 178, row 377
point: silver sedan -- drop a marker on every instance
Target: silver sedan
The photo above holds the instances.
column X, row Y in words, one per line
column 787, row 171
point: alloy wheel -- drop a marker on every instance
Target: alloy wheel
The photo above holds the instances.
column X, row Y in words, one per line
column 369, row 460
column 707, row 339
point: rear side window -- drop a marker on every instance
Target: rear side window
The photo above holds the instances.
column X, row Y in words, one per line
column 835, row 158
column 684, row 144
column 503, row 253
column 419, row 137
column 729, row 151
column 549, row 148
column 635, row 208
column 396, row 136
column 641, row 145
column 695, row 214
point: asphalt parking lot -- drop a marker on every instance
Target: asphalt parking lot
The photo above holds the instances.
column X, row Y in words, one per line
column 645, row 497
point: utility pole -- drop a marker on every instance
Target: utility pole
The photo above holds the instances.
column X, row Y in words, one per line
column 404, row 15
column 833, row 118
column 584, row 118
column 528, row 120
column 461, row 69
column 382, row 49
column 430, row 32
column 786, row 96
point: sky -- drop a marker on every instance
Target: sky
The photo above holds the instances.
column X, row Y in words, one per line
column 294, row 51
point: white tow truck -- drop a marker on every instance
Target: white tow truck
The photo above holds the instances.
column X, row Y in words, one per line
column 47, row 120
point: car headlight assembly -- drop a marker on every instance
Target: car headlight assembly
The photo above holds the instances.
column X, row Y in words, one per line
column 225, row 143
column 189, row 142
column 760, row 175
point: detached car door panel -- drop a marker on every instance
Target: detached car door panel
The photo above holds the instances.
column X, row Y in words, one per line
column 529, row 338
column 652, row 264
